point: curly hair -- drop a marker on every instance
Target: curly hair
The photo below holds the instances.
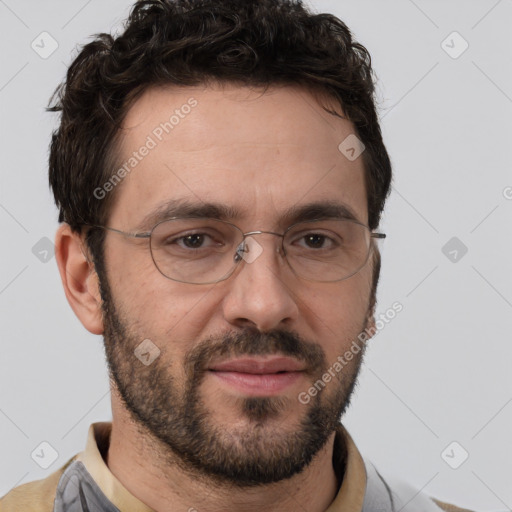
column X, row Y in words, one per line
column 257, row 43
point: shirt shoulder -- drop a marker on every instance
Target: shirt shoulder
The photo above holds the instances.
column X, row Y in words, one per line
column 36, row 496
column 448, row 507
column 390, row 495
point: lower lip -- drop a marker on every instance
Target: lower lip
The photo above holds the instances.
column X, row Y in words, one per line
column 259, row 384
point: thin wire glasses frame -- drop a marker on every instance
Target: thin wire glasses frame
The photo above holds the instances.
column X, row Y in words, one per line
column 241, row 247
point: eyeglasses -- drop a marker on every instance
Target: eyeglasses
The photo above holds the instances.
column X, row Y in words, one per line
column 205, row 251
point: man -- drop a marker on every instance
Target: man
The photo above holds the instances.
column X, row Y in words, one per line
column 220, row 175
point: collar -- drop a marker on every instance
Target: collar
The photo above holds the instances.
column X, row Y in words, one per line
column 96, row 448
column 350, row 496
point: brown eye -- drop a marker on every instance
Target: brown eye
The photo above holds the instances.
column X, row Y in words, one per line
column 315, row 241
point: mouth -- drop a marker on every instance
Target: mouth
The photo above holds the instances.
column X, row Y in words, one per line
column 258, row 376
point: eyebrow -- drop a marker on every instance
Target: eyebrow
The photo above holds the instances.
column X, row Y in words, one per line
column 326, row 209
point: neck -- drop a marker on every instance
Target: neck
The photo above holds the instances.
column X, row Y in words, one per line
column 131, row 459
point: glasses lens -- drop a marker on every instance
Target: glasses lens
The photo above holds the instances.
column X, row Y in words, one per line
column 194, row 250
column 327, row 251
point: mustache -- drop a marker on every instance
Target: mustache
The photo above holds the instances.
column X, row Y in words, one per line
column 252, row 342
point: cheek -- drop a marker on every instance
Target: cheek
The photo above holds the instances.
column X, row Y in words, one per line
column 170, row 314
column 341, row 313
column 128, row 263
column 348, row 299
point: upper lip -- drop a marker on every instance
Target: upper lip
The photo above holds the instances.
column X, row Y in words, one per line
column 259, row 365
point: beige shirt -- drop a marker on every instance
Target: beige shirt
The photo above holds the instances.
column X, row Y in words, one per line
column 349, row 497
column 358, row 490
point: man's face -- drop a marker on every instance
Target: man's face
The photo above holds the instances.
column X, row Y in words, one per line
column 259, row 155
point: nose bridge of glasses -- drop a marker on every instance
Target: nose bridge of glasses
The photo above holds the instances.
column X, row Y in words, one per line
column 258, row 232
column 251, row 233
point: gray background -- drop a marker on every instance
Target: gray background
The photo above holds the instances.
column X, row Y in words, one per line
column 438, row 372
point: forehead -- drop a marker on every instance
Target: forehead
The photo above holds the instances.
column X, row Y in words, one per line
column 259, row 153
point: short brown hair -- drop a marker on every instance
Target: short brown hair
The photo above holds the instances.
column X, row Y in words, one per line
column 189, row 42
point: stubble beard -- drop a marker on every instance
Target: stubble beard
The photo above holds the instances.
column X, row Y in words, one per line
column 179, row 424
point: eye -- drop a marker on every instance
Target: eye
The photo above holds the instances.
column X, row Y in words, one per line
column 193, row 241
column 315, row 240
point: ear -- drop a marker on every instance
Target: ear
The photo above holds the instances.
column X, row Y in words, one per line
column 79, row 278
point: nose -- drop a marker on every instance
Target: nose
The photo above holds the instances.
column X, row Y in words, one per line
column 260, row 292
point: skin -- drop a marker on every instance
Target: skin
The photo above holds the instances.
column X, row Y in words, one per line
column 260, row 153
